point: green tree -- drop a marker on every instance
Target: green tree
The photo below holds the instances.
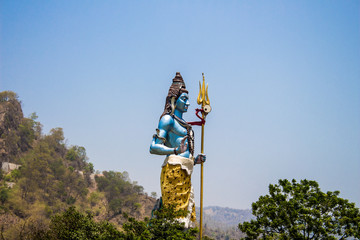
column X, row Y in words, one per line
column 162, row 227
column 154, row 194
column 302, row 211
column 73, row 224
column 37, row 127
column 10, row 106
column 56, row 140
column 77, row 157
column 26, row 133
column 8, row 96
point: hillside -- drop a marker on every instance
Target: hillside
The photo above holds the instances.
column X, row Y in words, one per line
column 42, row 177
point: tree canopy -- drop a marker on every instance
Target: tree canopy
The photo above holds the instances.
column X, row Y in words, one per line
column 162, row 227
column 295, row 210
column 74, row 224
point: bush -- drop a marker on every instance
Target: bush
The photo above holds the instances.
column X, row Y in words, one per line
column 73, row 224
column 163, row 226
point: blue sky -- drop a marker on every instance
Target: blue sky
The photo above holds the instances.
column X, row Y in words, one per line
column 284, row 85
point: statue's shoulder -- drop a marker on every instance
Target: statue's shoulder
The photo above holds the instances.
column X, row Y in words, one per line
column 166, row 122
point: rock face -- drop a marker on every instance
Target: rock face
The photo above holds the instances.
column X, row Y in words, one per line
column 8, row 167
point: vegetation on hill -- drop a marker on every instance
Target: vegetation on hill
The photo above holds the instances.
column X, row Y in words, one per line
column 16, row 132
column 119, row 191
column 54, row 177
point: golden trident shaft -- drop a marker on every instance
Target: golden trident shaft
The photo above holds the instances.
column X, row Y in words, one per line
column 203, row 100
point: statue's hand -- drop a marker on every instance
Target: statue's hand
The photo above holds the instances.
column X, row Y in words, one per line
column 183, row 146
column 201, row 158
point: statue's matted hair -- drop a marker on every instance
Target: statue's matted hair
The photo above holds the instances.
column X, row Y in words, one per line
column 176, row 89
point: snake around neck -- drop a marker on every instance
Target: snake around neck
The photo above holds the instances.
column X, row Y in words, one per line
column 190, row 132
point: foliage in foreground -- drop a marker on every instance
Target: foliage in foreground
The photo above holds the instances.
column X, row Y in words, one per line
column 163, row 226
column 73, row 224
column 302, row 211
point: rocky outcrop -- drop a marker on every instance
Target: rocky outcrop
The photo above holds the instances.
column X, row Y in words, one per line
column 7, row 167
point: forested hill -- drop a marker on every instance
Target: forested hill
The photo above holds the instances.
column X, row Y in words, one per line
column 42, row 176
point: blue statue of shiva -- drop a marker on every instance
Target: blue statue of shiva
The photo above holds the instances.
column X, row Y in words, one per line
column 175, row 138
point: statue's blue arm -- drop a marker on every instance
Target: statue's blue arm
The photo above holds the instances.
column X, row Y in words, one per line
column 158, row 143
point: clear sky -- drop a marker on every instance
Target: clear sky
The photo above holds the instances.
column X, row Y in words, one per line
column 284, row 85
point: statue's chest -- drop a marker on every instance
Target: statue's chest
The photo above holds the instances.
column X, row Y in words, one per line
column 179, row 130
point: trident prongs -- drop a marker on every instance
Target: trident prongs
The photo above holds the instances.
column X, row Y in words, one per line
column 203, row 97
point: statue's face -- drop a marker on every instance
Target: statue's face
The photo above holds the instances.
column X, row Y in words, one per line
column 182, row 103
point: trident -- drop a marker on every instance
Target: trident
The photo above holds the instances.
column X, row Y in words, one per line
column 203, row 100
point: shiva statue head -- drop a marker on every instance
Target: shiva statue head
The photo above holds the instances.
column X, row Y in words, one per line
column 176, row 90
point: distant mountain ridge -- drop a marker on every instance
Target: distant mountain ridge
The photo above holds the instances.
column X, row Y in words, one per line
column 227, row 216
column 215, row 215
column 222, row 222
